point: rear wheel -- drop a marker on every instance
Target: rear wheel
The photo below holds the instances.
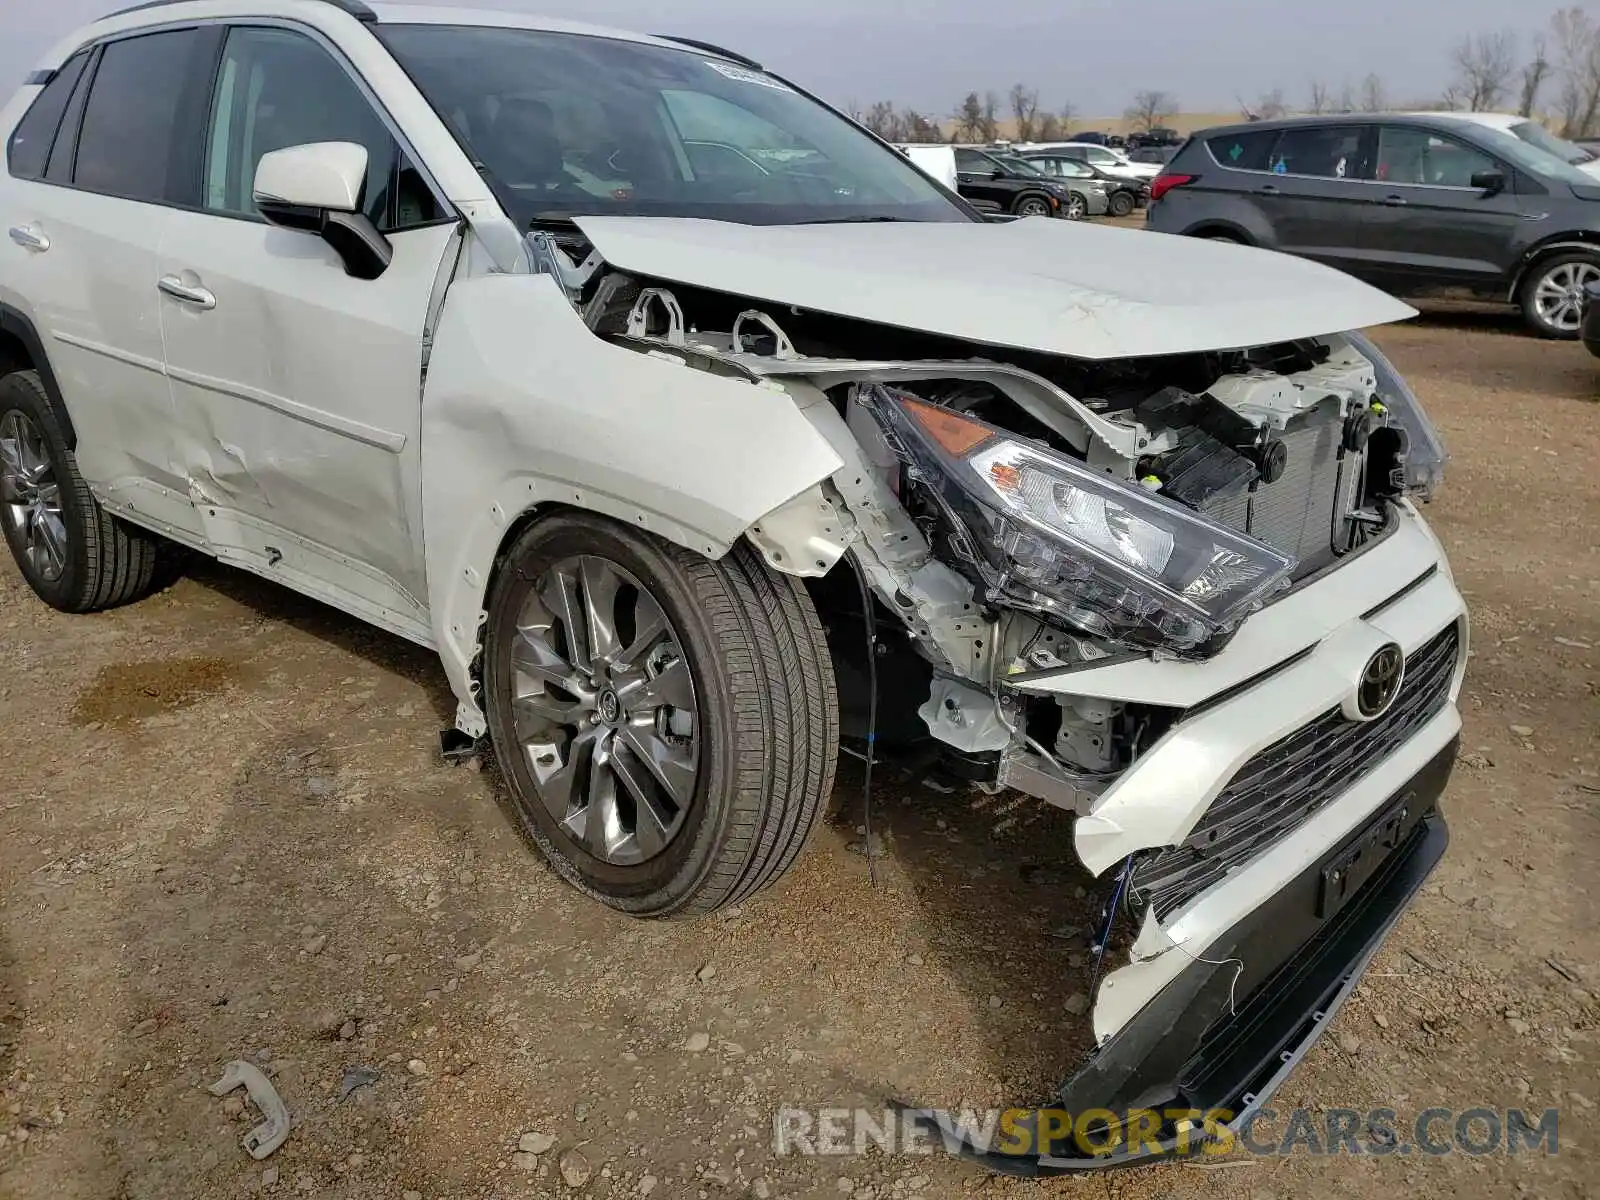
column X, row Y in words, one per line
column 75, row 556
column 667, row 725
column 1077, row 208
column 1552, row 294
column 1121, row 204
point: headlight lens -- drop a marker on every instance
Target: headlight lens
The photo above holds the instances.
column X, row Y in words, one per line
column 1053, row 535
column 1423, row 456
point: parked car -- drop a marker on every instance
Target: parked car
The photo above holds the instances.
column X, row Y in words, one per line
column 1159, row 135
column 1103, row 158
column 1590, row 319
column 1092, row 137
column 1534, row 133
column 1156, row 156
column 1117, row 195
column 1010, row 185
column 1411, row 203
column 687, row 476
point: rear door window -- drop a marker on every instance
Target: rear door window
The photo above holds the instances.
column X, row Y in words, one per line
column 129, row 143
column 1410, row 155
column 30, row 144
column 1246, row 151
column 1322, row 151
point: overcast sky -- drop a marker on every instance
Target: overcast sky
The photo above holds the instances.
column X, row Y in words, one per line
column 1091, row 53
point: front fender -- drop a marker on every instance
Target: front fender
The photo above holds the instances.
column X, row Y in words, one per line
column 525, row 406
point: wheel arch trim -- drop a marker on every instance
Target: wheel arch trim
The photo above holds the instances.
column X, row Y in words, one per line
column 17, row 324
column 1555, row 244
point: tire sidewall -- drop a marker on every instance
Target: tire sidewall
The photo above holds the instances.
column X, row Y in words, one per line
column 671, row 877
column 1033, row 206
column 1530, row 286
column 22, row 392
column 1121, row 204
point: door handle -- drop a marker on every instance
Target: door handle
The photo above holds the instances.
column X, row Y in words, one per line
column 1395, row 201
column 29, row 238
column 1268, row 190
column 200, row 297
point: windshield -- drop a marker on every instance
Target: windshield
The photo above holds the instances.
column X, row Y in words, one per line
column 1536, row 134
column 567, row 125
column 1532, row 158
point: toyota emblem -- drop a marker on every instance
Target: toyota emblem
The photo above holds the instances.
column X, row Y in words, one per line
column 1380, row 682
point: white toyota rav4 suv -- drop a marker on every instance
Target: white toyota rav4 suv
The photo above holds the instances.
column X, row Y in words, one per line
column 651, row 393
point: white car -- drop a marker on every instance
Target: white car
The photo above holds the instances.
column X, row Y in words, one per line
column 692, row 463
column 1107, row 158
column 1534, row 133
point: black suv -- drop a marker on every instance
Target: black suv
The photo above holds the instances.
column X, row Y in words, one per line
column 996, row 182
column 1410, row 203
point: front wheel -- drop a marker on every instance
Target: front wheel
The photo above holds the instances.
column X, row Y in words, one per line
column 1121, row 204
column 1033, row 206
column 667, row 725
column 74, row 555
column 1552, row 295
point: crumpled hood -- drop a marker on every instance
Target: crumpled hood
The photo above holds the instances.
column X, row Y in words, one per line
column 1062, row 287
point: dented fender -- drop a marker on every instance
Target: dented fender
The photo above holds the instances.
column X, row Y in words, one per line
column 524, row 406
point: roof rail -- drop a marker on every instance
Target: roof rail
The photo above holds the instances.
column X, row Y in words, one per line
column 713, row 48
column 355, row 8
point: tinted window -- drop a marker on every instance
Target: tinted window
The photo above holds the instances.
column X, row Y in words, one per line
column 1245, row 151
column 565, row 124
column 276, row 88
column 1421, row 156
column 970, row 162
column 126, row 146
column 30, row 144
column 1326, row 151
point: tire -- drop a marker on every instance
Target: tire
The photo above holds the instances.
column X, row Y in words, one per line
column 757, row 722
column 76, row 557
column 1032, row 206
column 1121, row 204
column 1222, row 237
column 1077, row 208
column 1551, row 294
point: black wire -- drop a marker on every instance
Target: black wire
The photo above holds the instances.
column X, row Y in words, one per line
column 872, row 714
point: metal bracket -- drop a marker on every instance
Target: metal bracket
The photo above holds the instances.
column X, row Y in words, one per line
column 639, row 318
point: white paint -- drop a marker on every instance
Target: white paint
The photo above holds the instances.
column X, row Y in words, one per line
column 1062, row 287
column 317, row 175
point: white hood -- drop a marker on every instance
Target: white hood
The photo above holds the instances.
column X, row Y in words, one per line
column 1062, row 287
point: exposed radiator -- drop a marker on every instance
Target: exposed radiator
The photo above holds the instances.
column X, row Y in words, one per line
column 1295, row 514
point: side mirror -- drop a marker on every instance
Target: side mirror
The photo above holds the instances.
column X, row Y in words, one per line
column 1490, row 183
column 997, row 173
column 316, row 188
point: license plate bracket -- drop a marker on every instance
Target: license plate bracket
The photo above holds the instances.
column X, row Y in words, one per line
column 1349, row 868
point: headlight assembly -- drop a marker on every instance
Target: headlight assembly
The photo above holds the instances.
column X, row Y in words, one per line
column 1051, row 534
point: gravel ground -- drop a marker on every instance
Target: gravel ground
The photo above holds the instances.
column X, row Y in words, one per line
column 225, row 833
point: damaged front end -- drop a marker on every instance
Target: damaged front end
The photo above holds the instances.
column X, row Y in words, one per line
column 1186, row 597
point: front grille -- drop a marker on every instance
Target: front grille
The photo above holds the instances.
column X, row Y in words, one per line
column 1291, row 779
column 1295, row 514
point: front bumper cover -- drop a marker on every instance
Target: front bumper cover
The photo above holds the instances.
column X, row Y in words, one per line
column 1230, row 1028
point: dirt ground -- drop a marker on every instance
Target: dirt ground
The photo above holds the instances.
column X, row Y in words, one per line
column 225, row 833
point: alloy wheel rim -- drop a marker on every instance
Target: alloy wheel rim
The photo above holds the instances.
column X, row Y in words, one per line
column 30, row 495
column 1033, row 208
column 605, row 710
column 1558, row 298
column 1077, row 208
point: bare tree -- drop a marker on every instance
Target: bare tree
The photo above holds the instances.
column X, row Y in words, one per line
column 1150, row 109
column 1534, row 74
column 1374, row 96
column 1054, row 127
column 1485, row 64
column 882, row 119
column 1025, row 109
column 1578, row 68
column 1270, row 105
column 969, row 118
column 1346, row 100
column 1321, row 100
column 919, row 128
column 991, row 116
